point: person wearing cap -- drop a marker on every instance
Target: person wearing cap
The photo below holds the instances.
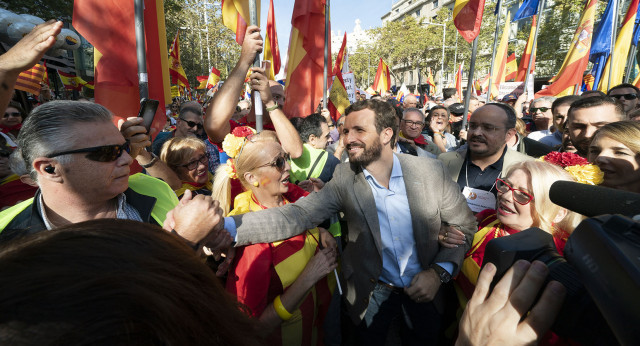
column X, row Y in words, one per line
column 457, row 113
column 510, row 99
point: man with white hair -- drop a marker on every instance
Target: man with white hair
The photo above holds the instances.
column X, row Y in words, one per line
column 541, row 112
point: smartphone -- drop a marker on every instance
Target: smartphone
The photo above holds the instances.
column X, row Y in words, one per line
column 147, row 112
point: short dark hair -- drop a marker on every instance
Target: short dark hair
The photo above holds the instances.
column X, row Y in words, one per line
column 311, row 125
column 590, row 92
column 191, row 107
column 624, row 85
column 560, row 101
column 385, row 113
column 595, row 101
column 509, row 111
column 448, row 93
column 434, row 108
column 18, row 106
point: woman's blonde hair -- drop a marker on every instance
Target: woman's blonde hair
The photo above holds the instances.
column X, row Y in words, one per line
column 178, row 151
column 541, row 176
column 521, row 127
column 251, row 156
column 626, row 132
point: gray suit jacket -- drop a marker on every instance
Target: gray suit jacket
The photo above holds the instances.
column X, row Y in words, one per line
column 433, row 199
column 454, row 160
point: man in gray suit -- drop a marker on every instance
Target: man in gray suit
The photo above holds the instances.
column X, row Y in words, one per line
column 394, row 205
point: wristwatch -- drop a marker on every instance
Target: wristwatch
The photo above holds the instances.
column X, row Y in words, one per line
column 152, row 162
column 442, row 273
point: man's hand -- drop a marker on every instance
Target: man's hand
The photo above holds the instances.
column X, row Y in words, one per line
column 199, row 219
column 30, row 49
column 136, row 134
column 260, row 83
column 424, row 286
column 497, row 319
column 311, row 185
column 251, row 45
column 450, row 237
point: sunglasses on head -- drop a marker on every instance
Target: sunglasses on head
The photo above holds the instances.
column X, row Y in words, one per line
column 103, row 153
column 279, row 162
column 541, row 109
column 626, row 96
column 192, row 123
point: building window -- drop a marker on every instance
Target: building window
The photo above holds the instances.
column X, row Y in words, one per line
column 435, row 4
column 418, row 13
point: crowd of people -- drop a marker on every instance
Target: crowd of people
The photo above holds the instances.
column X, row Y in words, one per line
column 353, row 230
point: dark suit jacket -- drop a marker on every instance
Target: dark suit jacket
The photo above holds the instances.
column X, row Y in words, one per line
column 433, row 199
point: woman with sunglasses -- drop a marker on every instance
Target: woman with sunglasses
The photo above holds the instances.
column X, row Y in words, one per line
column 284, row 285
column 11, row 122
column 188, row 158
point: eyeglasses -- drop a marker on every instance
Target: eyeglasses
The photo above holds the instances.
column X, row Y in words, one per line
column 12, row 114
column 626, row 96
column 103, row 153
column 485, row 127
column 204, row 159
column 519, row 196
column 533, row 110
column 192, row 123
column 279, row 162
column 413, row 123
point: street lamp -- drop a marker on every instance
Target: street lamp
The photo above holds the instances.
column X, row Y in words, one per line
column 444, row 34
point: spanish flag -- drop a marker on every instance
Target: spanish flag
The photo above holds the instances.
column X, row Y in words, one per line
column 178, row 76
column 467, row 17
column 109, row 26
column 203, row 82
column 500, row 62
column 30, row 80
column 71, row 81
column 214, row 78
column 338, row 98
column 305, row 67
column 235, row 16
column 524, row 60
column 577, row 57
column 511, row 68
column 621, row 50
column 337, row 69
column 459, row 82
column 382, row 82
column 271, row 50
column 430, row 80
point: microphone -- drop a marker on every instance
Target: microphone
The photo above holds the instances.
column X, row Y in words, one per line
column 590, row 200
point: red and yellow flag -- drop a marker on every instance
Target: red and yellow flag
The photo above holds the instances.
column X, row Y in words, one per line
column 577, row 57
column 178, row 76
column 30, row 80
column 511, row 68
column 303, row 88
column 109, row 26
column 71, row 81
column 467, row 17
column 338, row 98
column 459, row 83
column 524, row 60
column 621, row 50
column 202, row 82
column 337, row 68
column 235, row 16
column 588, row 81
column 382, row 82
column 271, row 50
column 214, row 78
column 430, row 79
column 500, row 62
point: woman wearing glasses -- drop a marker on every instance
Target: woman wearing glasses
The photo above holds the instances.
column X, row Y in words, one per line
column 523, row 202
column 11, row 122
column 284, row 285
column 188, row 158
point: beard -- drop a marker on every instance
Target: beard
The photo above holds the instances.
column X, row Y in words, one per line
column 367, row 156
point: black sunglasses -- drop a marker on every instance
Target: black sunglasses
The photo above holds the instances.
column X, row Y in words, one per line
column 12, row 114
column 541, row 109
column 626, row 96
column 104, row 153
column 279, row 162
column 192, row 123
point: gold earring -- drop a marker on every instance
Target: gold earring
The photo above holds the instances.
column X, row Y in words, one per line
column 256, row 184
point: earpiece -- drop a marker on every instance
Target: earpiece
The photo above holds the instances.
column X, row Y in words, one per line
column 49, row 169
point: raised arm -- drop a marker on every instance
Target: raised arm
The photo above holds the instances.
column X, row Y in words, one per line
column 223, row 104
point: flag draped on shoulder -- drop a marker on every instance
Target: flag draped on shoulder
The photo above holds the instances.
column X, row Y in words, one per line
column 467, row 17
column 337, row 68
column 575, row 62
column 305, row 66
column 500, row 62
column 235, row 16
column 601, row 44
column 338, row 98
column 528, row 9
column 621, row 50
column 178, row 76
column 30, row 79
column 382, row 82
column 110, row 27
column 511, row 67
column 526, row 55
column 271, row 49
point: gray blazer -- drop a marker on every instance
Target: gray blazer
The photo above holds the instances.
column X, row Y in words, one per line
column 433, row 199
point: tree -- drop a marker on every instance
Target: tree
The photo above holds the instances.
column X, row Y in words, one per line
column 45, row 9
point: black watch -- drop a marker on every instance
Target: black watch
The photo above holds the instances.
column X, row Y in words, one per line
column 442, row 273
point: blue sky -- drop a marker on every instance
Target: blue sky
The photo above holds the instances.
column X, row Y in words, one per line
column 343, row 16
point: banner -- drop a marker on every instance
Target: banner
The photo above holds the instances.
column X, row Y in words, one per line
column 350, row 85
column 516, row 88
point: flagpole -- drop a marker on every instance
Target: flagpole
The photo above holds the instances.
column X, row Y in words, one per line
column 614, row 32
column 493, row 55
column 143, row 79
column 630, row 59
column 326, row 54
column 467, row 96
column 533, row 48
column 257, row 100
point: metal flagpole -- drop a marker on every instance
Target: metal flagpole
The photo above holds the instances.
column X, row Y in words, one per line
column 253, row 20
column 143, row 78
column 533, row 49
column 630, row 59
column 467, row 96
column 493, row 55
column 614, row 32
column 326, row 55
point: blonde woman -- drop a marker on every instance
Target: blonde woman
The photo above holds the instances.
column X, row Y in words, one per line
column 188, row 158
column 284, row 285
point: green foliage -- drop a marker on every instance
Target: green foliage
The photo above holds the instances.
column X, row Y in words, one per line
column 45, row 9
